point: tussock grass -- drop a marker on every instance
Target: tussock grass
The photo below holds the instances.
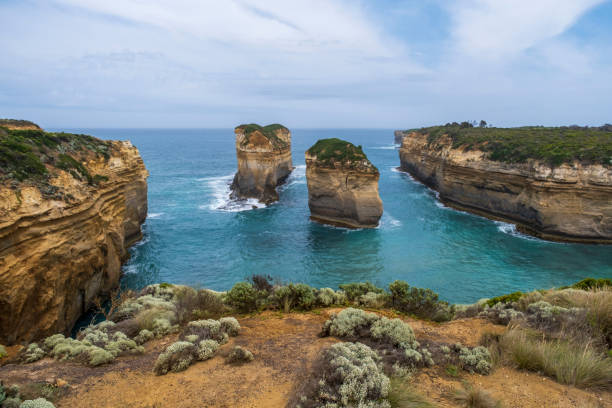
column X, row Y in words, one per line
column 403, row 395
column 579, row 365
column 475, row 397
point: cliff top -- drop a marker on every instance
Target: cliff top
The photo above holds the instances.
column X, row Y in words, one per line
column 333, row 152
column 554, row 145
column 33, row 156
column 18, row 124
column 270, row 132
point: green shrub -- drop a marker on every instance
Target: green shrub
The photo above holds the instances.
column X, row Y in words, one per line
column 243, row 297
column 268, row 131
column 331, row 151
column 394, row 332
column 177, row 357
column 11, row 403
column 358, row 289
column 3, row 352
column 350, row 375
column 327, row 297
column 348, row 323
column 420, row 302
column 239, row 355
column 294, row 296
column 591, row 283
column 509, row 298
column 37, row 403
column 230, row 326
column 144, row 336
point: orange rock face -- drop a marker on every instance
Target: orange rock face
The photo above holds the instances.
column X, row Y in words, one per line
column 56, row 256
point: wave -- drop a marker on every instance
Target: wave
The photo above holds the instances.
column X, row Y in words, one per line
column 297, row 176
column 388, row 221
column 154, row 215
column 510, row 229
column 221, row 200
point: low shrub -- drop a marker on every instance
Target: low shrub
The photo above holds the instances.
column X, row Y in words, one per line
column 349, row 323
column 475, row 360
column 11, row 403
column 350, row 375
column 239, row 355
column 177, row 357
column 591, row 283
column 243, row 297
column 3, row 352
column 37, row 403
column 501, row 313
column 354, row 291
column 327, row 297
column 509, row 298
column 191, row 304
column 423, row 303
column 294, row 296
column 402, row 395
column 373, row 300
column 230, row 326
column 475, row 397
column 207, row 349
column 144, row 336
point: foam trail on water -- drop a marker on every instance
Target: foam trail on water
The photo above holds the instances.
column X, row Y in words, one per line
column 221, row 201
column 388, row 147
column 388, row 221
column 154, row 215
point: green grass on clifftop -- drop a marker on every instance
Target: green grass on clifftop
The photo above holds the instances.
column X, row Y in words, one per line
column 329, row 151
column 25, row 154
column 268, row 131
column 553, row 145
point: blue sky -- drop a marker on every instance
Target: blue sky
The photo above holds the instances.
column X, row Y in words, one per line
column 305, row 63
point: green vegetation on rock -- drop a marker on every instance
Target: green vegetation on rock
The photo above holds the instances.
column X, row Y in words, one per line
column 553, row 145
column 268, row 131
column 331, row 151
column 26, row 153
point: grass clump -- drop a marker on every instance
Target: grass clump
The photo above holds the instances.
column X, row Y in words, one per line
column 402, row 395
column 553, row 145
column 579, row 365
column 239, row 355
column 332, row 152
column 3, row 352
column 475, row 397
column 592, row 283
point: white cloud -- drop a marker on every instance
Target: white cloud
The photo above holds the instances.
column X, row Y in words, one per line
column 495, row 29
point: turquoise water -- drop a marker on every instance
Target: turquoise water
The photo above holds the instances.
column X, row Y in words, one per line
column 194, row 236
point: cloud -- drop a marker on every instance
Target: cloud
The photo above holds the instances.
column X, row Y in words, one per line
column 494, row 29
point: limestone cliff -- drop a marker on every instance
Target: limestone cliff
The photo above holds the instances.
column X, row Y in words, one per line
column 398, row 137
column 70, row 205
column 342, row 185
column 264, row 161
column 566, row 202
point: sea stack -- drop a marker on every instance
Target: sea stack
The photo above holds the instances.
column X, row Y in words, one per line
column 264, row 161
column 342, row 185
column 70, row 206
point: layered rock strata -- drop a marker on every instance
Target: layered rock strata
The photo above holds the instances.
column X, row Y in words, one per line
column 569, row 202
column 264, row 161
column 342, row 185
column 65, row 229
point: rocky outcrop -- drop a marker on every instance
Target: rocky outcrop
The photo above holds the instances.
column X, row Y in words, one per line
column 398, row 137
column 264, row 161
column 342, row 185
column 65, row 233
column 569, row 202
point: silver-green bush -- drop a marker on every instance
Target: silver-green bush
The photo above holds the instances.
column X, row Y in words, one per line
column 239, row 355
column 207, row 349
column 475, row 360
column 33, row 353
column 177, row 357
column 37, row 403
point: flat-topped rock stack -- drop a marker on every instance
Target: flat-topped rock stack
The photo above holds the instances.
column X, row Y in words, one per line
column 342, row 185
column 264, row 161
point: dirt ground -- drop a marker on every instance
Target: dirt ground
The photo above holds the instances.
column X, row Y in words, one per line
column 284, row 346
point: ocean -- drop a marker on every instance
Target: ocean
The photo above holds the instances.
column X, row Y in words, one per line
column 195, row 235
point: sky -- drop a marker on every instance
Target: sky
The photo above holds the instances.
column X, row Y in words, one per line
column 305, row 63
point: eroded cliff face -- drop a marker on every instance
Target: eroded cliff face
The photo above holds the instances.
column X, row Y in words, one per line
column 571, row 202
column 343, row 193
column 59, row 252
column 398, row 137
column 264, row 162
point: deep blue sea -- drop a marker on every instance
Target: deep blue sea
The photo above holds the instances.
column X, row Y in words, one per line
column 193, row 234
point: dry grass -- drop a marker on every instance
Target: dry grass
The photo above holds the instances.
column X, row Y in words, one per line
column 579, row 365
column 403, row 395
column 475, row 397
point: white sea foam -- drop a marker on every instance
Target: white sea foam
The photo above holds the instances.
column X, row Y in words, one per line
column 297, row 176
column 388, row 221
column 130, row 269
column 219, row 188
column 388, row 147
column 510, row 229
column 154, row 215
